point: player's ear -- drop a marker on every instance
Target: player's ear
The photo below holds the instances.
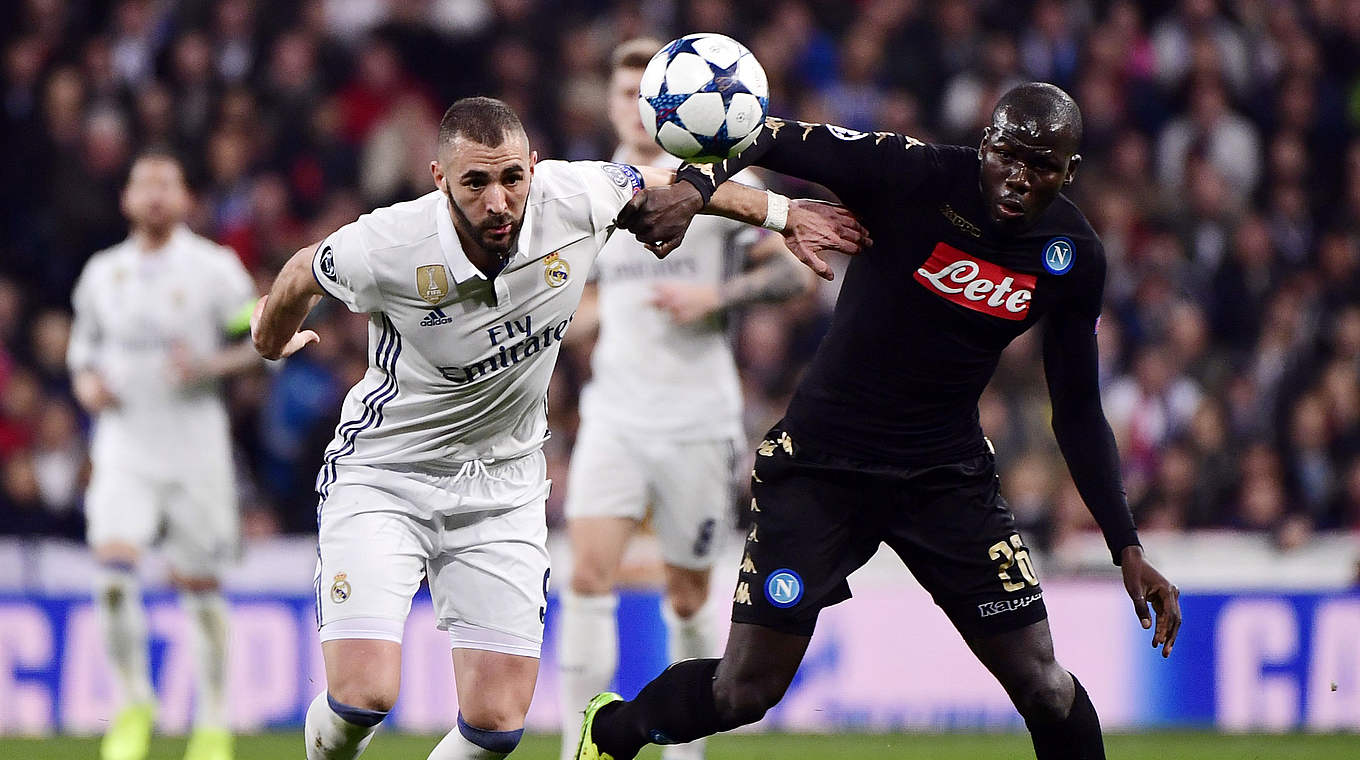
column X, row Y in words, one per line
column 438, row 173
column 533, row 159
column 1072, row 168
column 986, row 135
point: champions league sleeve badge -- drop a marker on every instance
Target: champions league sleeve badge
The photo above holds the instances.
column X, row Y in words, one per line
column 1059, row 254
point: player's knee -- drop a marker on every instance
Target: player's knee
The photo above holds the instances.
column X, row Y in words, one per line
column 589, row 579
column 1047, row 698
column 489, row 715
column 376, row 698
column 741, row 701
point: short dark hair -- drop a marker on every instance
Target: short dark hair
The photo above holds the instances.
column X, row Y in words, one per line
column 486, row 121
column 635, row 53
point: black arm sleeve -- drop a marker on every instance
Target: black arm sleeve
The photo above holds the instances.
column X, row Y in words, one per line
column 848, row 163
column 1084, row 436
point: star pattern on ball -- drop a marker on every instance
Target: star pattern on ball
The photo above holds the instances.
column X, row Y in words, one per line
column 723, row 81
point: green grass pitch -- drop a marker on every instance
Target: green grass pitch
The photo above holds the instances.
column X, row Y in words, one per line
column 1159, row 746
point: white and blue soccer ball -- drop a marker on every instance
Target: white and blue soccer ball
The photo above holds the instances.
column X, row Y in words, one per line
column 704, row 97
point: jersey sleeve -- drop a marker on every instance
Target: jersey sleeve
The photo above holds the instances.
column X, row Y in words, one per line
column 83, row 348
column 341, row 266
column 1071, row 368
column 235, row 295
column 853, row 165
column 608, row 186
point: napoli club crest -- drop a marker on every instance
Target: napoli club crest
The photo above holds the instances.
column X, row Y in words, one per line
column 784, row 588
column 1059, row 255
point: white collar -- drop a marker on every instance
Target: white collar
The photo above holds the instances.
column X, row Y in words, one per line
column 460, row 267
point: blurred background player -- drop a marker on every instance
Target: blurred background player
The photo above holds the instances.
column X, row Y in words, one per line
column 157, row 323
column 436, row 470
column 663, row 431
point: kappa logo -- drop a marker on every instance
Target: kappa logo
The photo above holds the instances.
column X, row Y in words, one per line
column 988, row 609
column 784, row 588
column 1059, row 255
column 981, row 286
column 435, row 318
column 957, row 220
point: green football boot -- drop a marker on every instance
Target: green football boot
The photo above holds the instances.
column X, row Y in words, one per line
column 129, row 736
column 587, row 750
column 209, row 744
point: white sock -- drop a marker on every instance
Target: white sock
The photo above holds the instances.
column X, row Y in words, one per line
column 588, row 655
column 207, row 613
column 122, row 619
column 330, row 737
column 688, row 639
column 456, row 744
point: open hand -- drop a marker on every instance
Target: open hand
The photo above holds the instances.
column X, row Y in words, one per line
column 814, row 227
column 1147, row 587
column 660, row 216
column 299, row 339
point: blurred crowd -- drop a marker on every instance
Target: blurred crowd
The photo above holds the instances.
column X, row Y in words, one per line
column 1222, row 170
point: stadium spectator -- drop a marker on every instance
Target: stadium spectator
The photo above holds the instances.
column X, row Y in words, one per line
column 1222, row 170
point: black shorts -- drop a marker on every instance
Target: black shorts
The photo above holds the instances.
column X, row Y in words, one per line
column 817, row 518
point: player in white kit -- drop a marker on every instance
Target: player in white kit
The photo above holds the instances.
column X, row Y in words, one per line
column 159, row 320
column 663, row 432
column 436, row 469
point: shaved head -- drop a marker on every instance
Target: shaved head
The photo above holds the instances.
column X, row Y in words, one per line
column 1038, row 113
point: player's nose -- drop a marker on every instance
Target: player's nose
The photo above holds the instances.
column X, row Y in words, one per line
column 496, row 200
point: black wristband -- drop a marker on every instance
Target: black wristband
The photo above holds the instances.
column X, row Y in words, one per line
column 700, row 181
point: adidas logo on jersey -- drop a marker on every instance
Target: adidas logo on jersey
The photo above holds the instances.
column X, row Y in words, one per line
column 435, row 318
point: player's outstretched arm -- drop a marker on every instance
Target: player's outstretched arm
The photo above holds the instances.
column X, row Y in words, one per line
column 278, row 315
column 1087, row 444
column 853, row 165
column 660, row 214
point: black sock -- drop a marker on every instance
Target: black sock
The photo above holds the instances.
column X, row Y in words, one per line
column 1076, row 737
column 676, row 707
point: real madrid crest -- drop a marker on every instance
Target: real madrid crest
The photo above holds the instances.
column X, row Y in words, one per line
column 339, row 589
column 555, row 270
column 432, row 283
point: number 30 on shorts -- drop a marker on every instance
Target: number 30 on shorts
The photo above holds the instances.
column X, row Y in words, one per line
column 1013, row 554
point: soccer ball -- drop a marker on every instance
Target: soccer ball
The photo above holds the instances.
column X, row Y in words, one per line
column 703, row 98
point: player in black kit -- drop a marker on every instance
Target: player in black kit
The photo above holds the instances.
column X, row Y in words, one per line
column 881, row 442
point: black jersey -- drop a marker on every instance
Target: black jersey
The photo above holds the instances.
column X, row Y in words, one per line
column 923, row 315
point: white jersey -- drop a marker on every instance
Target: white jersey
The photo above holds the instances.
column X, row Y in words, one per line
column 459, row 366
column 649, row 375
column 134, row 311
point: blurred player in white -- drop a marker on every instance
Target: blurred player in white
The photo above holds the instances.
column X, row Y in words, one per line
column 436, row 469
column 660, row 418
column 159, row 320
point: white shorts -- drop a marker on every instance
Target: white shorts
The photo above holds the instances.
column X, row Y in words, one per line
column 478, row 537
column 688, row 484
column 192, row 516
